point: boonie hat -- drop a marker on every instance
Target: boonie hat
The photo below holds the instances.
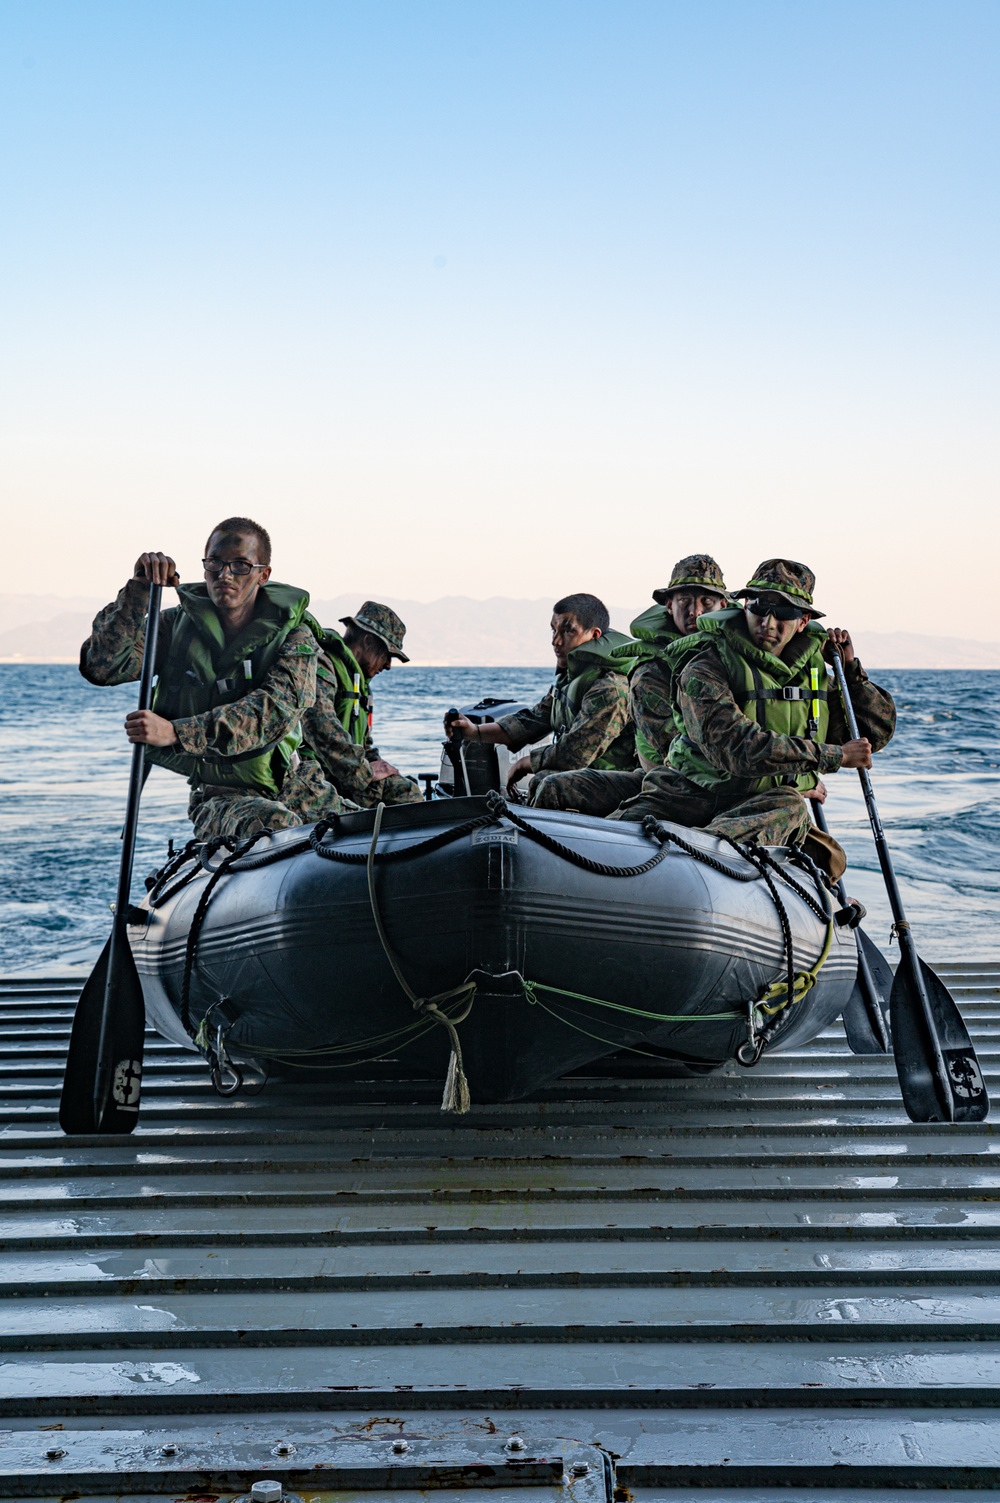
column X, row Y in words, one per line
column 698, row 571
column 382, row 623
column 783, row 576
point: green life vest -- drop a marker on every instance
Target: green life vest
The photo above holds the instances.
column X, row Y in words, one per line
column 200, row 671
column 655, row 631
column 787, row 696
column 584, row 666
column 339, row 666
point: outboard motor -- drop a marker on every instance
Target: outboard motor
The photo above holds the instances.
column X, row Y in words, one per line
column 470, row 767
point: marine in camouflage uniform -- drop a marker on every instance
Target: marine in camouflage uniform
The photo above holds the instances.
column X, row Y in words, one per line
column 696, row 585
column 730, row 770
column 699, row 578
column 234, row 706
column 337, row 739
column 587, row 710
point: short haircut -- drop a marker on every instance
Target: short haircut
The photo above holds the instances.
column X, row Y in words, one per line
column 587, row 609
column 246, row 525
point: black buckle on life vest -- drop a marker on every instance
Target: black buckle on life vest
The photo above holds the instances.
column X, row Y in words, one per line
column 792, row 691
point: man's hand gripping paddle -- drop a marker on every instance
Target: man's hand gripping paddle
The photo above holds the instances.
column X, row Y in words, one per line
column 104, row 1066
column 939, row 1074
column 866, row 1014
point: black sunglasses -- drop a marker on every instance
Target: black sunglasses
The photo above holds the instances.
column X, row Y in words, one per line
column 781, row 610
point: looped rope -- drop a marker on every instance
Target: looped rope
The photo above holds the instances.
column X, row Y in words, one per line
column 780, row 994
column 819, row 909
column 500, row 809
column 760, row 860
column 156, row 894
column 455, row 1097
column 404, row 853
column 191, row 948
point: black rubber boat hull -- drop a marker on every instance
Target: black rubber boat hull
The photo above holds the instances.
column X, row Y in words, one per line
column 291, row 946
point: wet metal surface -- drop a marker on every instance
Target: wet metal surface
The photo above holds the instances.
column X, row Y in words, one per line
column 726, row 1287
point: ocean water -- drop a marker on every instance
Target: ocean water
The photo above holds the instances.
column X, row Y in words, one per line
column 64, row 771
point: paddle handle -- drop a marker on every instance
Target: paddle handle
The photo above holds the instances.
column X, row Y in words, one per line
column 881, row 845
column 868, row 988
column 136, row 771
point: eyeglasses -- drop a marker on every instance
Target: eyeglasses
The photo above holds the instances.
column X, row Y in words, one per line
column 781, row 610
column 238, row 569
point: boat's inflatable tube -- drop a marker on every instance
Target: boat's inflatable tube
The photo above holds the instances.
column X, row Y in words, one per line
column 571, row 961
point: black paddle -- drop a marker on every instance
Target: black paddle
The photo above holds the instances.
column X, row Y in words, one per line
column 864, row 1017
column 104, row 1065
column 939, row 1074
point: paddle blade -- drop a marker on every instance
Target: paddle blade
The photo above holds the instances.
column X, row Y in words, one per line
column 957, row 1093
column 114, row 982
column 866, row 1021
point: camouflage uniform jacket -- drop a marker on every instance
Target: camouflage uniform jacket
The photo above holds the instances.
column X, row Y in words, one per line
column 112, row 654
column 601, row 721
column 730, row 740
column 345, row 762
column 652, row 709
column 651, row 683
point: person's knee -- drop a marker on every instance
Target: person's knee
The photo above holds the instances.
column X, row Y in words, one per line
column 240, row 818
column 393, row 790
column 546, row 793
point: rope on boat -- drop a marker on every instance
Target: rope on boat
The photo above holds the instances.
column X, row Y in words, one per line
column 612, row 1043
column 455, row 1097
column 769, row 1005
column 402, row 853
column 779, row 994
column 531, row 987
column 198, row 919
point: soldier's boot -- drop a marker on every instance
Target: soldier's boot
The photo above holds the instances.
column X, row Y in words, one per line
column 587, row 791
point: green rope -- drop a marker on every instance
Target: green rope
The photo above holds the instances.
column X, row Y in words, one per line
column 530, row 987
column 613, row 1043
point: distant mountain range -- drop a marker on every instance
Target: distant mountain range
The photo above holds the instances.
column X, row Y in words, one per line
column 451, row 632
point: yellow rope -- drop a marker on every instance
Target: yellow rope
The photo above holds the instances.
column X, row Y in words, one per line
column 804, row 980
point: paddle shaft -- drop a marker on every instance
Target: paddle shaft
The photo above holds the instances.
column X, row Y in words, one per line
column 869, row 988
column 901, row 928
column 119, row 936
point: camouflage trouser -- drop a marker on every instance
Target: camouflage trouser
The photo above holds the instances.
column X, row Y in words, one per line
column 395, row 789
column 586, row 792
column 306, row 796
column 780, row 816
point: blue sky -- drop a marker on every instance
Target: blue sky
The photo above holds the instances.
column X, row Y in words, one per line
column 505, row 298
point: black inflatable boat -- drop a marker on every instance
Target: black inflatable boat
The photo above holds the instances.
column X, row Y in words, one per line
column 519, row 943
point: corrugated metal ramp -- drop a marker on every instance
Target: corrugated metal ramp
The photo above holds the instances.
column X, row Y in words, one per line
column 728, row 1286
